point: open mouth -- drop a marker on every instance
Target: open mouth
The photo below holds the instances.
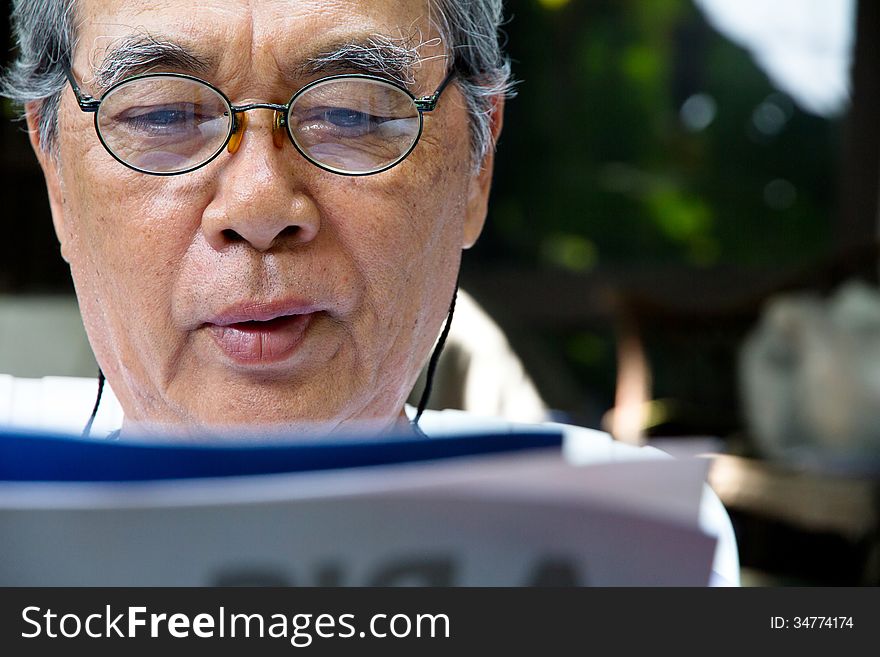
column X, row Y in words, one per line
column 267, row 325
column 267, row 341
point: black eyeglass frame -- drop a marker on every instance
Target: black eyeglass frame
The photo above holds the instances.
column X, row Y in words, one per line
column 422, row 104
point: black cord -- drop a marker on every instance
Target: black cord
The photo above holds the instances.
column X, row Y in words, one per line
column 432, row 365
column 88, row 429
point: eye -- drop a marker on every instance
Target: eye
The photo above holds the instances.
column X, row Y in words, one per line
column 165, row 119
column 350, row 119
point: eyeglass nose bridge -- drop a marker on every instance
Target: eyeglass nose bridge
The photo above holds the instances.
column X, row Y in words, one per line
column 240, row 122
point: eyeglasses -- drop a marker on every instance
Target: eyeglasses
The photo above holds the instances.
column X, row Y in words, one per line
column 166, row 124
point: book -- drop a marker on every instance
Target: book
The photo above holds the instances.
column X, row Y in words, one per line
column 478, row 509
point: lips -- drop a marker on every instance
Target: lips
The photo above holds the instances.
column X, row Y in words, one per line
column 261, row 334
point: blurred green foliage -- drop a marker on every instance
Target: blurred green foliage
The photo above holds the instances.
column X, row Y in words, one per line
column 596, row 165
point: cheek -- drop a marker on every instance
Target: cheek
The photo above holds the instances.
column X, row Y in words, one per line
column 407, row 235
column 137, row 224
column 127, row 234
column 403, row 240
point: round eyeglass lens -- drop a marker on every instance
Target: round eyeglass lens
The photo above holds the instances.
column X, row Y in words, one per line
column 354, row 125
column 163, row 124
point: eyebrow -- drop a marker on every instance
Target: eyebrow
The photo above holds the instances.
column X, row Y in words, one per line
column 392, row 57
column 143, row 53
column 396, row 58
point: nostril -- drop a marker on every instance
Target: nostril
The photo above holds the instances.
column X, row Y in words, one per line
column 232, row 236
column 260, row 240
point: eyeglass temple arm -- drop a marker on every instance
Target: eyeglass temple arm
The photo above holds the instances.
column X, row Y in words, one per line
column 86, row 102
column 428, row 103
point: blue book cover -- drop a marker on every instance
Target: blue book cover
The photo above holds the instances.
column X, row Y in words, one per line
column 44, row 457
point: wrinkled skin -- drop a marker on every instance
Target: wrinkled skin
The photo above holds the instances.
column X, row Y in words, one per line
column 155, row 259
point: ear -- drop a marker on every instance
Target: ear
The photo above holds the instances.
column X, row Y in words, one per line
column 481, row 182
column 49, row 165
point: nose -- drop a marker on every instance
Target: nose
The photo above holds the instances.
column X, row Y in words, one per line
column 260, row 197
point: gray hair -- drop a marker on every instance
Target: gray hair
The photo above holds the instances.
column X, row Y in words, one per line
column 45, row 32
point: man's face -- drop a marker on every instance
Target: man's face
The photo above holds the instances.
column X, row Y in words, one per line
column 260, row 288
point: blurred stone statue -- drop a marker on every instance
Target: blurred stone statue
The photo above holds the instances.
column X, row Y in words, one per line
column 810, row 376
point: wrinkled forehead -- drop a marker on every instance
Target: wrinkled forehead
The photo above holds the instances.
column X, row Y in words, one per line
column 254, row 37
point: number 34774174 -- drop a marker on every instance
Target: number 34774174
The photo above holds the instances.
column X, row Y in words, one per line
column 811, row 622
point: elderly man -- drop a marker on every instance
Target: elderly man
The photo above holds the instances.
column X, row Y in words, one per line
column 264, row 203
